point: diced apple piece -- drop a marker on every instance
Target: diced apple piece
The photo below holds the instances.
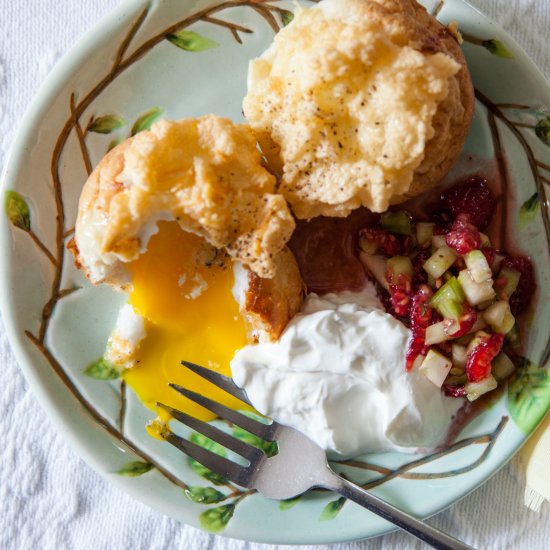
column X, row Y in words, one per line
column 396, row 222
column 502, row 367
column 479, row 325
column 476, row 293
column 424, row 233
column 500, row 317
column 368, row 245
column 398, row 265
column 477, row 265
column 459, row 355
column 440, row 261
column 506, row 282
column 456, row 379
column 376, row 266
column 436, row 367
column 438, row 241
column 437, row 333
column 485, row 241
column 513, row 338
column 474, row 390
column 485, row 305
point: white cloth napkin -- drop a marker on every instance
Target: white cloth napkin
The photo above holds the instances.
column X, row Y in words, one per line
column 49, row 498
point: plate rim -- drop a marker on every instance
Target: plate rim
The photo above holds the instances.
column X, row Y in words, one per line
column 25, row 356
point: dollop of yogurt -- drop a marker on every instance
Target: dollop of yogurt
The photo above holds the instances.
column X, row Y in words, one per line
column 337, row 374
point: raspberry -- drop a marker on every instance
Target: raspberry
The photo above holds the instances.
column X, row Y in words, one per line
column 472, row 197
column 454, row 391
column 400, row 294
column 490, row 254
column 478, row 363
column 421, row 315
column 521, row 298
column 464, row 236
column 387, row 243
column 466, row 321
column 419, row 274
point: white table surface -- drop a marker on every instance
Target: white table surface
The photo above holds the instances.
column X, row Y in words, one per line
column 49, row 498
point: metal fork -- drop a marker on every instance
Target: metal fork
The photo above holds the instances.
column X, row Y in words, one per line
column 299, row 465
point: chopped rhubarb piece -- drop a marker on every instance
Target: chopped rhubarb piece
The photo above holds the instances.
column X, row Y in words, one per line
column 521, row 297
column 472, row 197
column 396, row 222
column 449, row 299
column 424, row 233
column 478, row 364
column 464, row 235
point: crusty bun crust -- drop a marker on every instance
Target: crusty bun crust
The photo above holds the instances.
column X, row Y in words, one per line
column 267, row 305
column 206, row 173
column 359, row 103
column 454, row 115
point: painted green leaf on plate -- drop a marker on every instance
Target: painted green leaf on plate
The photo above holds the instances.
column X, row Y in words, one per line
column 542, row 129
column 146, row 120
column 114, row 143
column 529, row 396
column 331, row 510
column 496, row 47
column 191, row 41
column 215, row 519
column 204, row 495
column 106, row 124
column 289, row 503
column 529, row 210
column 17, row 210
column 286, row 17
column 135, row 469
column 102, row 370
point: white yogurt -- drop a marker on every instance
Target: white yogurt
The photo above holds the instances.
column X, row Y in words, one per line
column 338, row 375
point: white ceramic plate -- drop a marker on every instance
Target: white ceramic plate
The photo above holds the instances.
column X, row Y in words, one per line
column 125, row 68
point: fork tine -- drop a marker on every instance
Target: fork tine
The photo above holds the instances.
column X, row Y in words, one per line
column 219, row 380
column 265, row 431
column 249, row 452
column 226, row 468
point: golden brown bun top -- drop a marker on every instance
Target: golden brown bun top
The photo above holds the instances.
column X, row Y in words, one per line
column 206, row 173
column 359, row 103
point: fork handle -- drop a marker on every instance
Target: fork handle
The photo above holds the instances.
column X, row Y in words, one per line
column 434, row 537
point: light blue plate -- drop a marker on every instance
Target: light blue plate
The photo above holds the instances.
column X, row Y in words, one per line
column 125, row 68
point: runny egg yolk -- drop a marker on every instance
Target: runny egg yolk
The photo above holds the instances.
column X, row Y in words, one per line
column 183, row 291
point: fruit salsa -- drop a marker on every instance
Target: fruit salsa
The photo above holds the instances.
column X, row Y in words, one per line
column 458, row 294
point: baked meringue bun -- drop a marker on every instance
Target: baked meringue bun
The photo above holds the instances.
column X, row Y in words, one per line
column 204, row 173
column 359, row 103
